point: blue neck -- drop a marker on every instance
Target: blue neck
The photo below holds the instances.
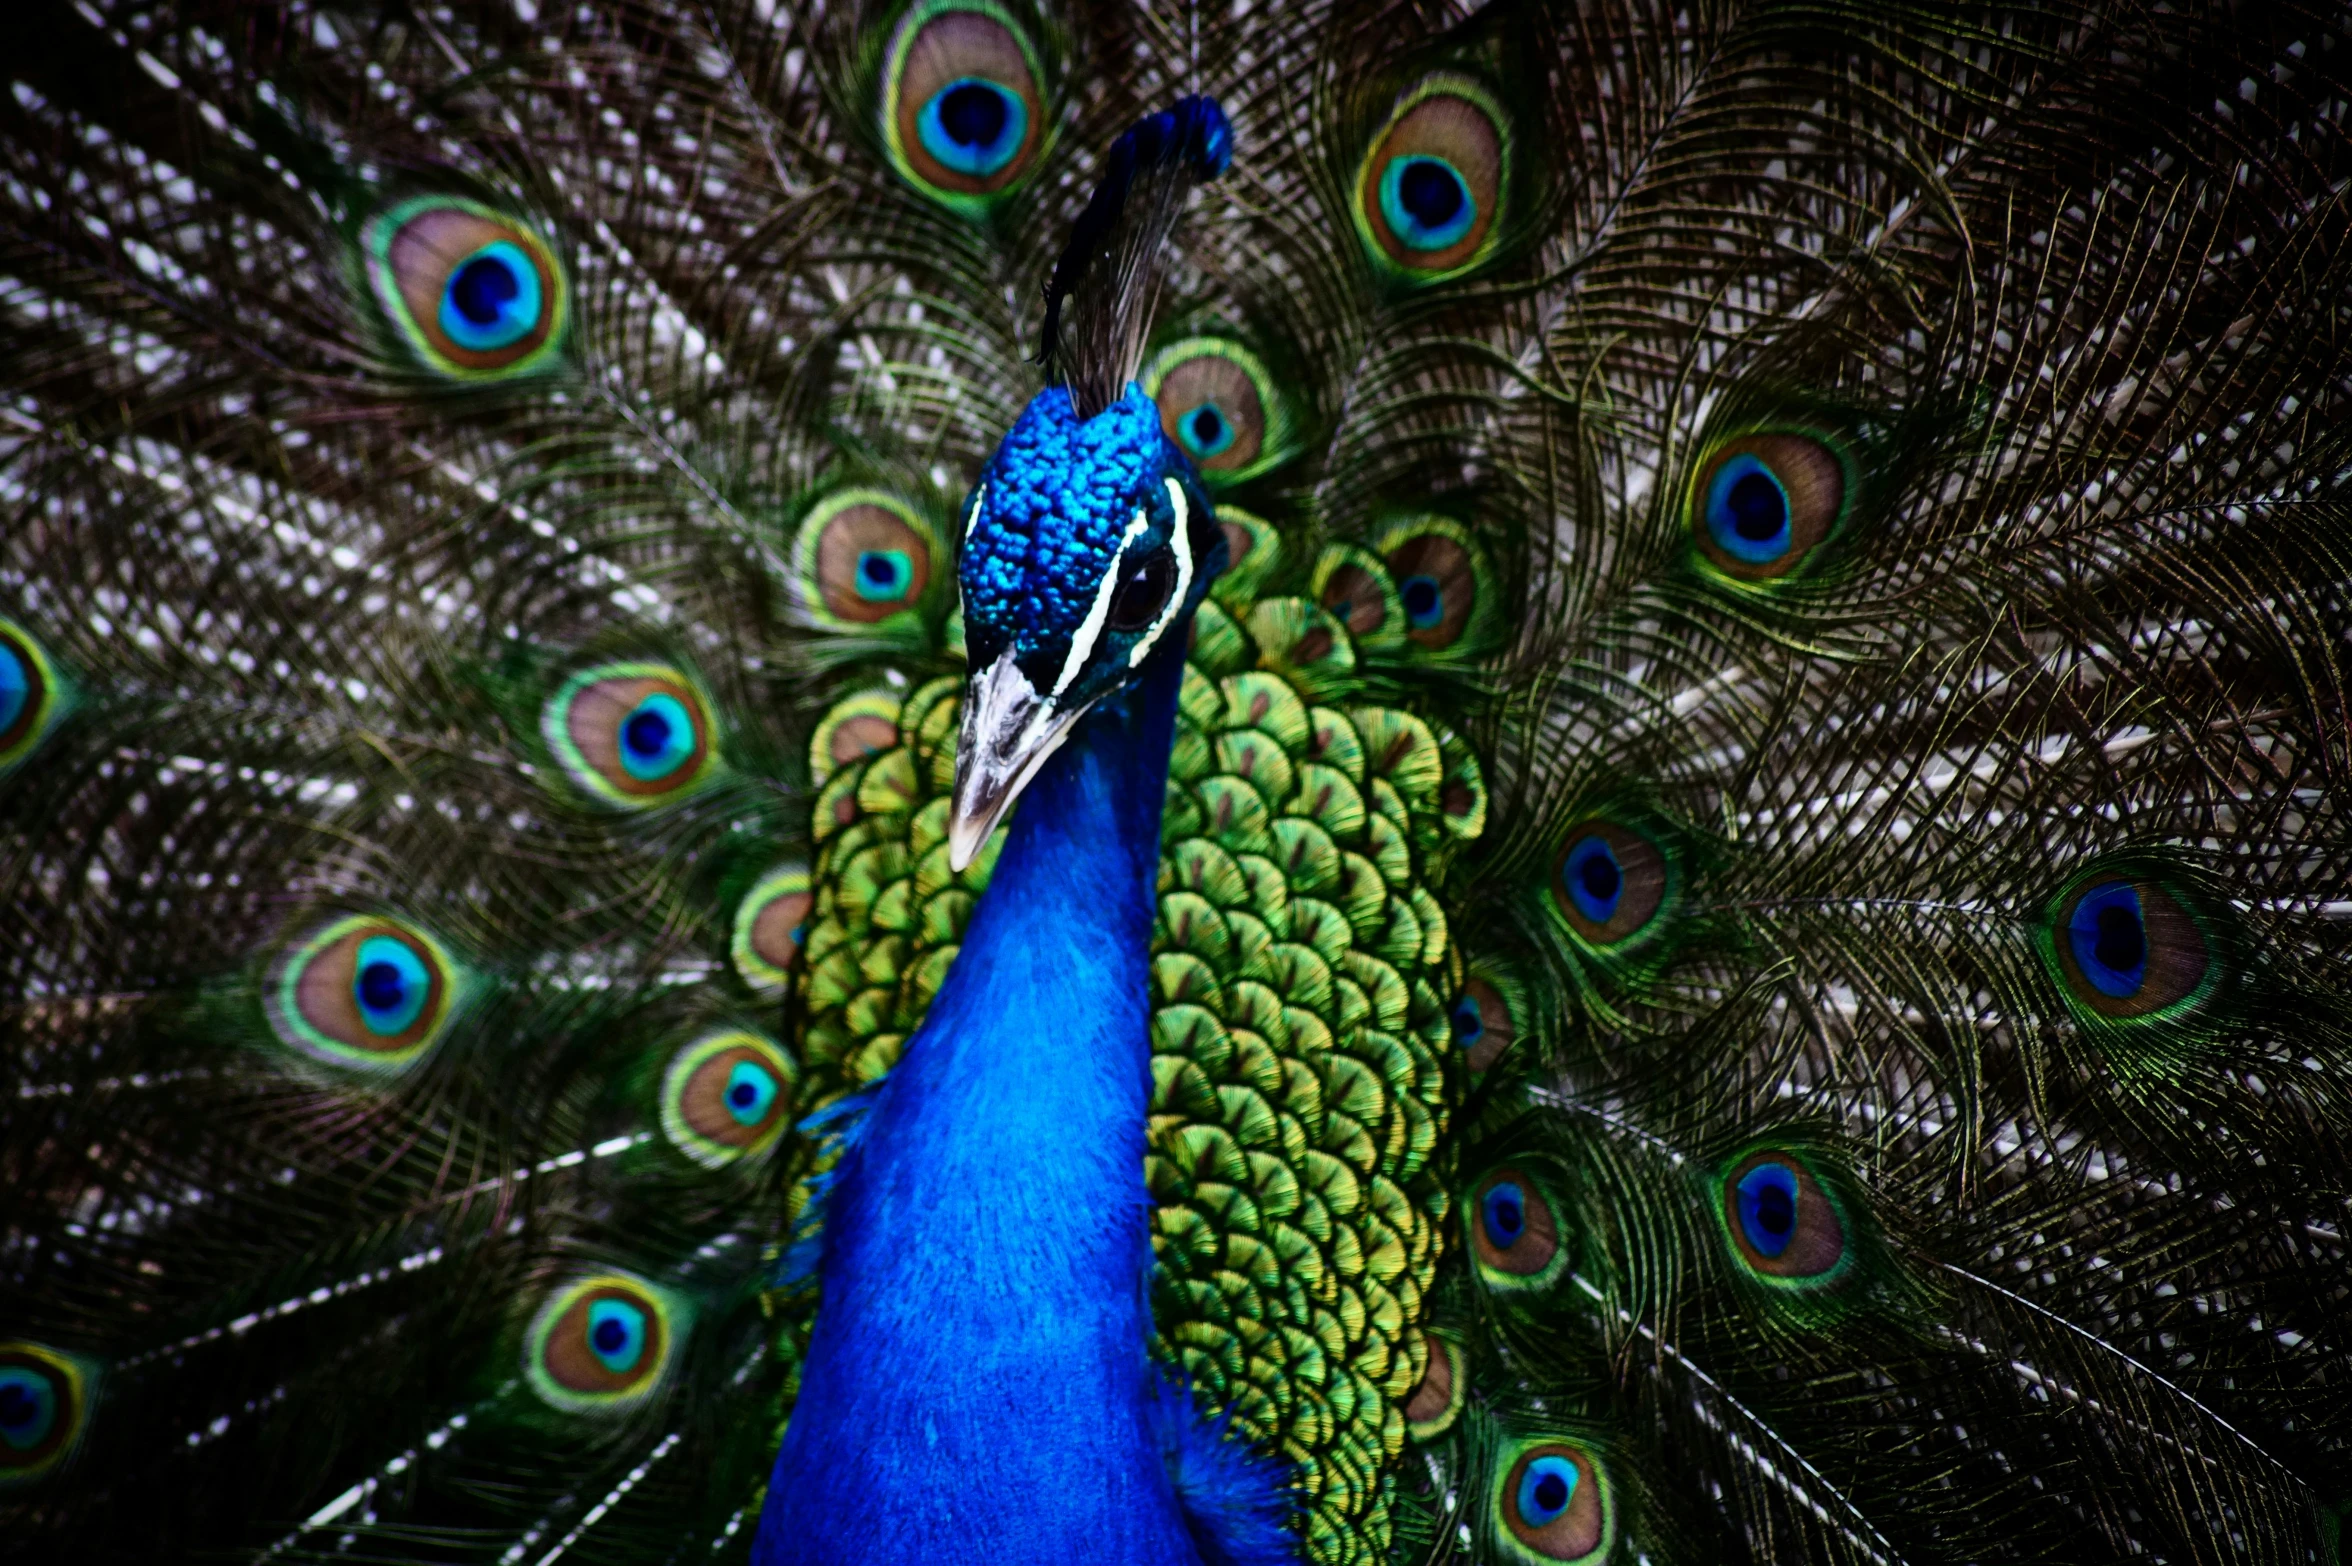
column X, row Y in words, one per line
column 977, row 1386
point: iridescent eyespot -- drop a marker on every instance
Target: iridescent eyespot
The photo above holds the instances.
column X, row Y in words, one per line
column 1253, row 552
column 1482, row 1024
column 962, row 113
column 1461, row 792
column 1784, row 1227
column 1762, row 503
column 631, row 735
column 771, row 923
column 861, row 557
column 602, row 1344
column 726, row 1096
column 473, row 293
column 1218, row 402
column 2128, row 948
column 29, row 694
column 1444, row 1387
column 859, row 725
column 1441, row 585
column 365, row 992
column 44, row 1408
column 1513, row 1233
column 1354, row 588
column 1608, row 883
column 1431, row 191
column 1552, row 1499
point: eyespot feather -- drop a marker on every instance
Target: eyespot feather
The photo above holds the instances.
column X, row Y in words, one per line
column 366, row 992
column 603, row 1344
column 631, row 735
column 727, row 1096
column 1764, row 502
column 1430, row 191
column 1514, row 1231
column 963, row 113
column 1552, row 1502
column 31, row 696
column 45, row 1401
column 474, row 294
column 770, row 924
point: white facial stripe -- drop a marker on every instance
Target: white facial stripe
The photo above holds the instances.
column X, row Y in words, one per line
column 979, row 498
column 1090, row 629
column 1181, row 539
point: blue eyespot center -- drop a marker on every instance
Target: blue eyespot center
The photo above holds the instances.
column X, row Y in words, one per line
column 973, row 126
column 1503, row 1210
column 1594, row 878
column 1768, row 1207
column 1424, row 601
column 390, row 983
column 1748, row 511
column 616, row 1335
column 16, row 687
column 1545, row 1490
column 1427, row 203
column 657, row 738
column 884, row 575
column 750, row 1092
column 492, row 300
column 28, row 1407
column 1469, row 1022
column 1205, row 432
column 2108, row 935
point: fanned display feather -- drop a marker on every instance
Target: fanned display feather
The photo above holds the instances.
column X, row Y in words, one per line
column 1747, row 951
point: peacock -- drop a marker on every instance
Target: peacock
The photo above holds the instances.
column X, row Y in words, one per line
column 1176, row 782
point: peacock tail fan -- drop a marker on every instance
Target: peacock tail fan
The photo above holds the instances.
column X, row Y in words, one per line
column 1751, row 957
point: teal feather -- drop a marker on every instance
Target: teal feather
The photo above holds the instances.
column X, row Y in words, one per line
column 1750, row 952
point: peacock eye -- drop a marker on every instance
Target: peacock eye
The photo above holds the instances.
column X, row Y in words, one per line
column 475, row 294
column 601, row 1344
column 1783, row 1225
column 366, row 992
column 725, row 1097
column 43, row 1402
column 862, row 557
column 1438, row 1398
column 771, row 923
column 1438, row 584
column 1609, row 883
column 961, row 109
column 1469, row 1026
column 630, row 734
column 1144, row 586
column 1429, row 194
column 1482, row 1022
column 2129, row 948
column 1765, row 502
column 1554, row 1503
column 1218, row 402
column 28, row 695
column 1356, row 600
column 1513, row 1232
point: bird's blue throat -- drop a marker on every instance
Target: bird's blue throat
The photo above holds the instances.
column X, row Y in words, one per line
column 977, row 1387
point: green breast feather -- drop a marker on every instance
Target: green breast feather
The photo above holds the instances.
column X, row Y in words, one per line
column 1300, row 972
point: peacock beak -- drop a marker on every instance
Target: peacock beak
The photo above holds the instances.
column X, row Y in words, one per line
column 1009, row 730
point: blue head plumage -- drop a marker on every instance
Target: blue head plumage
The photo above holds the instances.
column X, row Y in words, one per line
column 1087, row 545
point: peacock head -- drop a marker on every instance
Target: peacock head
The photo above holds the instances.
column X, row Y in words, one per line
column 1088, row 545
